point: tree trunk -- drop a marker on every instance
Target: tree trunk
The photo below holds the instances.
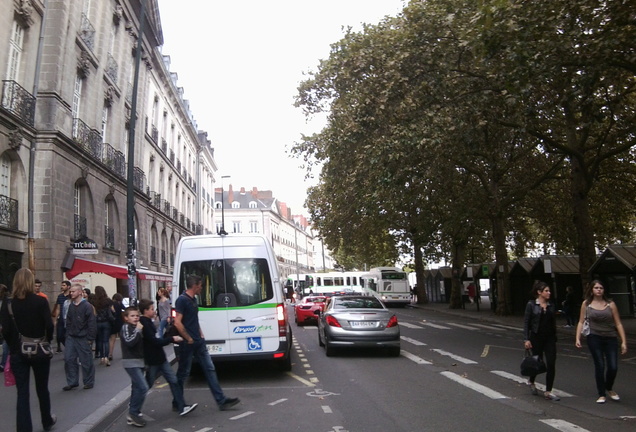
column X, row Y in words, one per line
column 504, row 301
column 458, row 262
column 582, row 221
column 419, row 274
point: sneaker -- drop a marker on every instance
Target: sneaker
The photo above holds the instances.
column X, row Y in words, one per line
column 613, row 395
column 551, row 396
column 135, row 420
column 533, row 389
column 600, row 400
column 69, row 387
column 229, row 403
column 53, row 421
column 187, row 409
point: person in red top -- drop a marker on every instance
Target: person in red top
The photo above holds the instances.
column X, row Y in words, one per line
column 38, row 287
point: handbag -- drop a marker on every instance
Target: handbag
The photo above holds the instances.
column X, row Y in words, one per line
column 35, row 349
column 532, row 365
column 9, row 378
column 585, row 330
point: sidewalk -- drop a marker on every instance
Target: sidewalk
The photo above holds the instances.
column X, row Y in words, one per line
column 485, row 314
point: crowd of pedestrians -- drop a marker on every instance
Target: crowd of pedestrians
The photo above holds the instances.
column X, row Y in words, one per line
column 86, row 326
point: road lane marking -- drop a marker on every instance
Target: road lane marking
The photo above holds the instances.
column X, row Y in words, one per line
column 409, row 325
column 462, row 326
column 563, row 426
column 454, row 357
column 488, row 392
column 276, row 402
column 240, row 416
column 488, row 327
column 413, row 341
column 326, row 409
column 302, row 380
column 522, row 380
column 486, row 350
column 414, row 358
column 507, row 327
column 437, row 326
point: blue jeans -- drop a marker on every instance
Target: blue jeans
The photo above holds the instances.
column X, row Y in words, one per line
column 604, row 351
column 152, row 372
column 139, row 389
column 78, row 349
column 186, row 353
column 22, row 371
column 101, row 341
column 162, row 327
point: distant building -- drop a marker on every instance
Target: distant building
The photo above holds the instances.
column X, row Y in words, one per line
column 259, row 212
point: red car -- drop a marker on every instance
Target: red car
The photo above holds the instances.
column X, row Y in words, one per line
column 305, row 309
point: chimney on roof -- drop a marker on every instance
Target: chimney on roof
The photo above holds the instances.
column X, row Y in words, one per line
column 230, row 194
column 242, row 191
column 254, row 192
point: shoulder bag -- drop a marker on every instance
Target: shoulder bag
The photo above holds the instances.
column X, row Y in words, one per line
column 35, row 349
column 586, row 324
column 532, row 365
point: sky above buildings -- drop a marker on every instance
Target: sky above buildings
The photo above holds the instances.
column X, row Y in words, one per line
column 240, row 63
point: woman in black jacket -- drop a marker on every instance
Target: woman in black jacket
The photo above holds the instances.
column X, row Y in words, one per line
column 539, row 334
column 32, row 316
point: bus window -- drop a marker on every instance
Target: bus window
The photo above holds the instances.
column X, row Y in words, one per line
column 338, row 281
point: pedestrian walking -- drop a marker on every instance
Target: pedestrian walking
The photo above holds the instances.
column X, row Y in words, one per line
column 59, row 314
column 38, row 289
column 29, row 316
column 604, row 327
column 105, row 317
column 81, row 330
column 132, row 352
column 539, row 333
column 155, row 358
column 569, row 307
column 163, row 310
column 187, row 323
column 116, row 327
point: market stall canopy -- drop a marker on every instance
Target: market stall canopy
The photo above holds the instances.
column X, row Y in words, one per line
column 117, row 271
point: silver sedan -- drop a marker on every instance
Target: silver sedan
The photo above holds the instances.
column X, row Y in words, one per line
column 358, row 321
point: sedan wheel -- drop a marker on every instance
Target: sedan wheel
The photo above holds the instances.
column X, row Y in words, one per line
column 319, row 339
column 330, row 351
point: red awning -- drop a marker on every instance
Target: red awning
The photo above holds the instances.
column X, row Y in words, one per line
column 117, row 271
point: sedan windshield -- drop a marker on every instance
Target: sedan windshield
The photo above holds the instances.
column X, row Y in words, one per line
column 358, row 303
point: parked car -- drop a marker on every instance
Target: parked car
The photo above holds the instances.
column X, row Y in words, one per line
column 305, row 310
column 357, row 321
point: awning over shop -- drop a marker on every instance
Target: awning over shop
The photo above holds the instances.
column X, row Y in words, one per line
column 117, row 271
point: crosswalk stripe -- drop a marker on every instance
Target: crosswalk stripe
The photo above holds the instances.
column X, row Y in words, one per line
column 454, row 357
column 437, row 326
column 414, row 358
column 488, row 327
column 409, row 325
column 507, row 327
column 413, row 341
column 474, row 386
column 522, row 380
column 563, row 425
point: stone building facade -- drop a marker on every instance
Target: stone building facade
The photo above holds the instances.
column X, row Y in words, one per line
column 66, row 117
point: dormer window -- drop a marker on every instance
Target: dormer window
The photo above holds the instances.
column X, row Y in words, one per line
column 236, row 204
column 252, row 204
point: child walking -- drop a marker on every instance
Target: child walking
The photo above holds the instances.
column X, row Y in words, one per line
column 155, row 357
column 132, row 351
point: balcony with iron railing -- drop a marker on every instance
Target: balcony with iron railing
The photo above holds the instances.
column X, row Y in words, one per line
column 8, row 212
column 89, row 140
column 109, row 237
column 166, row 207
column 18, row 101
column 111, row 68
column 175, row 214
column 87, row 32
column 79, row 227
column 164, row 146
column 155, row 199
column 154, row 133
column 115, row 161
column 139, row 179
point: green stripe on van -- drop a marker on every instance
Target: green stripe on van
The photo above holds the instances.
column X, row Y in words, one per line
column 256, row 306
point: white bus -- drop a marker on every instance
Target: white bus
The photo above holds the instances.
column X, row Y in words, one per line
column 326, row 283
column 389, row 284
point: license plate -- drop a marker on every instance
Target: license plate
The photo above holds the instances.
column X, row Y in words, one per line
column 215, row 349
column 363, row 323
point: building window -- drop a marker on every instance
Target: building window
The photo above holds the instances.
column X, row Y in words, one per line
column 236, row 204
column 5, row 176
column 77, row 96
column 252, row 204
column 104, row 123
column 236, row 227
column 15, row 51
column 253, row 227
column 217, row 205
column 218, row 227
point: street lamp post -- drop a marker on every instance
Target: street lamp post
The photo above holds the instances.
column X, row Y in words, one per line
column 222, row 230
column 130, row 185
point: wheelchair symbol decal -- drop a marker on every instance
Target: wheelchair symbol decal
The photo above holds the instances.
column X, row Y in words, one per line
column 254, row 344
